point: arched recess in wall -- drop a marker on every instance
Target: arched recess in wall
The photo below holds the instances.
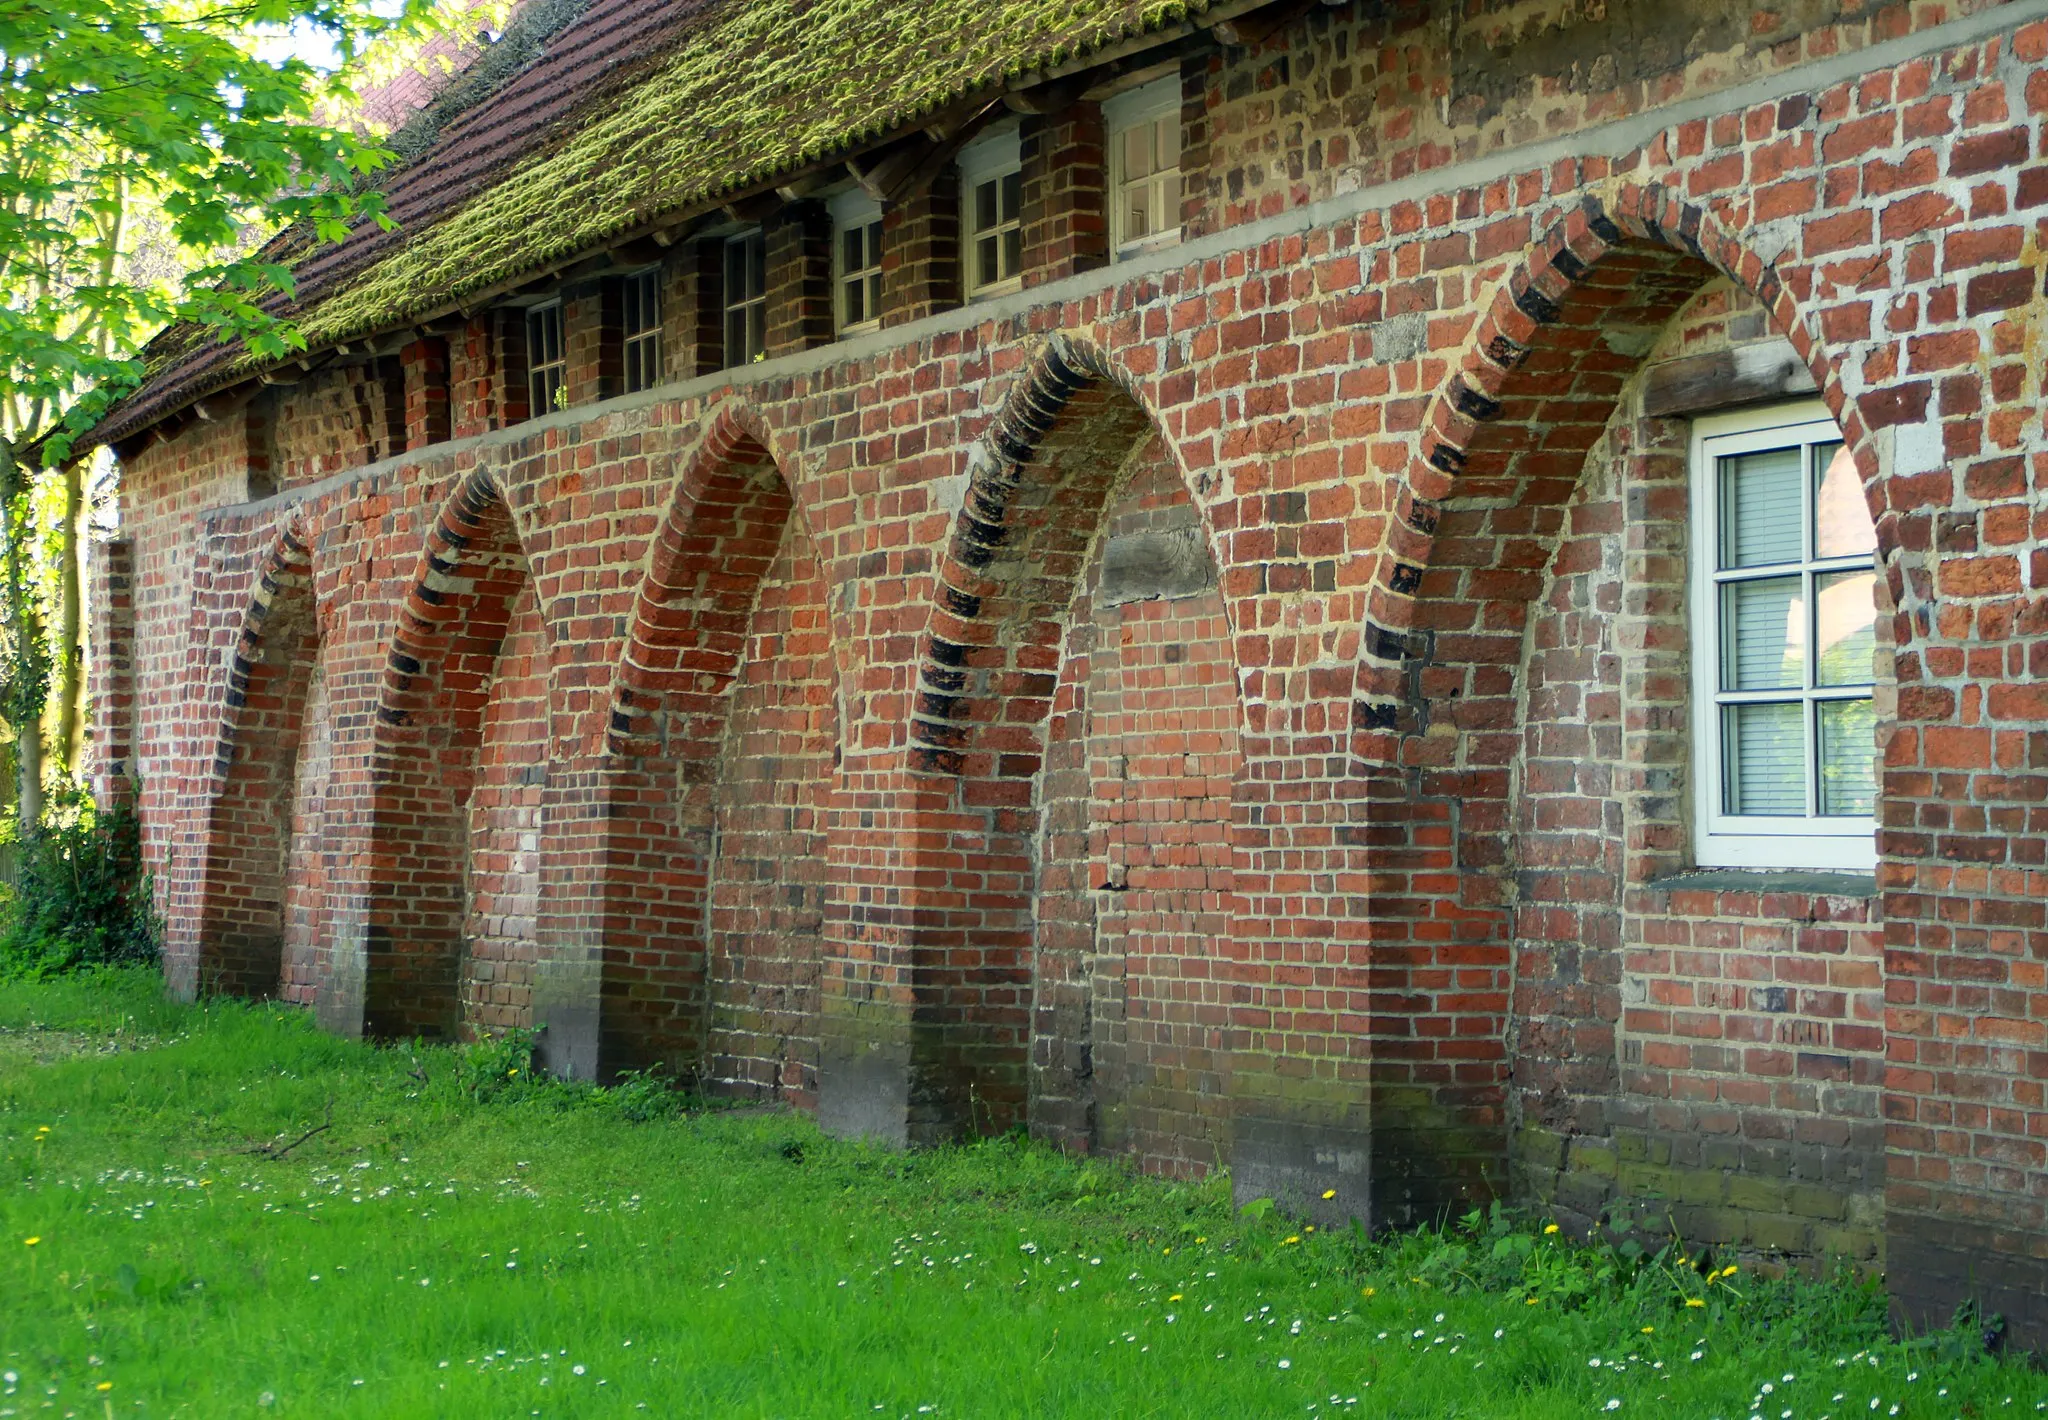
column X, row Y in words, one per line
column 722, row 759
column 459, row 770
column 1528, row 677
column 257, row 923
column 1078, row 689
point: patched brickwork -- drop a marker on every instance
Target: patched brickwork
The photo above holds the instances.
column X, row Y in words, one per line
column 1229, row 708
column 1133, row 1024
column 501, row 896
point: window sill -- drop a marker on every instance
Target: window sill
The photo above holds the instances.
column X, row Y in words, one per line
column 1807, row 882
column 995, row 289
column 1145, row 246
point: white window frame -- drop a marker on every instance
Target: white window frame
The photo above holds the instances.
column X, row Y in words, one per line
column 990, row 158
column 1135, row 108
column 854, row 210
column 641, row 348
column 1724, row 840
column 547, row 380
column 750, row 307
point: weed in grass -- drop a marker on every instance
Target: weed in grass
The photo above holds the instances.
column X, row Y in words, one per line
column 452, row 1246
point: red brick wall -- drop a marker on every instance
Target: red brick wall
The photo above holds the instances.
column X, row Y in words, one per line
column 769, row 803
column 305, row 953
column 1453, row 959
column 1134, row 878
column 502, row 884
column 1703, row 1050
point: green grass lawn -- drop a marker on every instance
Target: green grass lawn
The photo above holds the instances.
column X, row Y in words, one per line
column 537, row 1251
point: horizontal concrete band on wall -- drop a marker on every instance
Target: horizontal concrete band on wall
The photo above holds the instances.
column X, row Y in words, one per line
column 1199, row 710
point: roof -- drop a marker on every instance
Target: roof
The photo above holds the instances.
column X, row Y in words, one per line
column 637, row 109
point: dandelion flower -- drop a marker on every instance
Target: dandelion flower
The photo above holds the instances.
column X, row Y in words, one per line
column 31, row 1242
column 1695, row 1302
column 1290, row 1239
column 104, row 1386
column 1531, row 1302
column 1199, row 1240
column 1369, row 1292
column 1174, row 1298
column 1548, row 1230
column 1328, row 1194
column 1649, row 1331
column 1310, row 1228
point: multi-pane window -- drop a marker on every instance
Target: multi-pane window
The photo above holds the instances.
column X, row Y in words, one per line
column 1144, row 166
column 1785, row 646
column 992, row 212
column 857, row 261
column 746, row 299
column 547, row 359
column 641, row 326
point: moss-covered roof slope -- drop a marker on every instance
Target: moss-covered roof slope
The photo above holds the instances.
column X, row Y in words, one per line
column 642, row 108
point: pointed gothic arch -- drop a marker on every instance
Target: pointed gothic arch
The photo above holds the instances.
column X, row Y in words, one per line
column 253, row 793
column 721, row 761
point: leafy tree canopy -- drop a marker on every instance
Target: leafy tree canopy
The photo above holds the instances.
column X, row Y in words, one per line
column 189, row 125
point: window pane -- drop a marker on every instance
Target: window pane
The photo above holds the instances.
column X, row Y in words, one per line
column 1169, row 201
column 874, row 244
column 1166, row 144
column 1137, row 152
column 856, row 311
column 1137, row 221
column 736, row 336
column 874, row 305
column 1848, row 751
column 1760, row 508
column 1845, row 617
column 985, row 261
column 1013, row 196
column 1763, row 634
column 1763, row 760
column 757, row 330
column 1841, row 519
column 1013, row 252
column 757, row 266
column 735, row 271
column 984, row 206
column 850, row 249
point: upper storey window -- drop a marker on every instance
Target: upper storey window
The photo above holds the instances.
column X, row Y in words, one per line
column 746, row 299
column 641, row 326
column 992, row 215
column 547, row 358
column 1144, row 166
column 1784, row 644
column 856, row 261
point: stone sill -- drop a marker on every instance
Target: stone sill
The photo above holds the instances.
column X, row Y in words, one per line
column 1802, row 882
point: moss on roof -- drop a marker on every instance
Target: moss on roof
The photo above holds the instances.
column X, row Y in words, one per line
column 758, row 89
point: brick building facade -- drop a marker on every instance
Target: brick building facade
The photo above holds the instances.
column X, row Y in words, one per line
column 892, row 623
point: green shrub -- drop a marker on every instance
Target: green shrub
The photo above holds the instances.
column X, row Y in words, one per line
column 80, row 897
column 500, row 1066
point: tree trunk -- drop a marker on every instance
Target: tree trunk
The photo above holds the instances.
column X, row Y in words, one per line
column 25, row 689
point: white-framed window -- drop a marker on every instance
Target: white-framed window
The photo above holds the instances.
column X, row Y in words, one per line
column 746, row 299
column 856, row 261
column 640, row 323
column 1784, row 590
column 992, row 212
column 547, row 359
column 1143, row 125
